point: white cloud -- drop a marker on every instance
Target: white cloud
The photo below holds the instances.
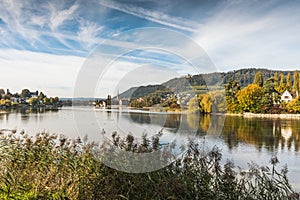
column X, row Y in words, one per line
column 238, row 37
column 122, row 75
column 53, row 74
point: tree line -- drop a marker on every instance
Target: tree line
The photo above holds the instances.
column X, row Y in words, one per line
column 7, row 99
column 263, row 96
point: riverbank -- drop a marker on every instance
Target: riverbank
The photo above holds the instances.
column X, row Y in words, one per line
column 258, row 115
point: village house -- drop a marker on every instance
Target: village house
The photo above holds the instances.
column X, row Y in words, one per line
column 286, row 97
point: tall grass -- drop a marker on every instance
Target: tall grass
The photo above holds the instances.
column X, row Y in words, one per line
column 48, row 166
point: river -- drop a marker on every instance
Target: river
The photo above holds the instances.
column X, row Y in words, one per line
column 240, row 139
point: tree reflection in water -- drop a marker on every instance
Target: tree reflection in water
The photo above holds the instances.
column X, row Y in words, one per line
column 272, row 134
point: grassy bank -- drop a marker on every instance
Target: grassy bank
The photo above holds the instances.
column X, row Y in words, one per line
column 54, row 167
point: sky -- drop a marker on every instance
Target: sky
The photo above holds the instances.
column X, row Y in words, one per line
column 49, row 45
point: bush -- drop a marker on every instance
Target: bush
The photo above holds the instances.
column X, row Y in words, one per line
column 52, row 167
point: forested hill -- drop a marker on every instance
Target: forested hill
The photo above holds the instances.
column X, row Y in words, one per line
column 184, row 83
column 244, row 76
column 136, row 92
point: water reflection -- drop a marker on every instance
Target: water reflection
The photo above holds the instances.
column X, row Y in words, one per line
column 272, row 134
column 140, row 118
column 172, row 121
column 26, row 113
column 269, row 134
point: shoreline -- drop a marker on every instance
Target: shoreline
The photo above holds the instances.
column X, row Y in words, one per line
column 259, row 115
column 276, row 116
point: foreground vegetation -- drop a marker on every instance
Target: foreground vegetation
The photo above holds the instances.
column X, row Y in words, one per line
column 52, row 167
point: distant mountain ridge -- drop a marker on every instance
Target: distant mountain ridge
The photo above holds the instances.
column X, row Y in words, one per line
column 218, row 79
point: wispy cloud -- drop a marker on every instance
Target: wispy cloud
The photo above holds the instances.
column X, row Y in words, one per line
column 154, row 16
column 26, row 24
column 88, row 33
column 59, row 16
column 11, row 15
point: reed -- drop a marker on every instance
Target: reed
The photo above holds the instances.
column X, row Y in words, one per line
column 49, row 166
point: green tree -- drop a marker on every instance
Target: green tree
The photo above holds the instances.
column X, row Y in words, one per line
column 218, row 100
column 16, row 95
column 258, row 79
column 231, row 89
column 270, row 95
column 2, row 92
column 25, row 93
column 250, row 98
column 56, row 100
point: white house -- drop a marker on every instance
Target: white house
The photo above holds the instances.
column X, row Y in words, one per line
column 286, row 97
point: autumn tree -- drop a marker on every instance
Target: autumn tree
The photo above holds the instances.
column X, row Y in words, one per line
column 249, row 98
column 194, row 105
column 289, row 82
column 41, row 96
column 258, row 79
column 33, row 101
column 276, row 79
column 201, row 103
column 205, row 103
column 294, row 106
column 282, row 85
column 46, row 101
column 296, row 86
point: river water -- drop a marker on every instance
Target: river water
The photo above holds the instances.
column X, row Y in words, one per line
column 240, row 139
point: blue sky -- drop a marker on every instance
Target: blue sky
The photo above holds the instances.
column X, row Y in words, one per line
column 43, row 44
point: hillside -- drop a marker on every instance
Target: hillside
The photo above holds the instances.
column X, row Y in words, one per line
column 136, row 92
column 199, row 82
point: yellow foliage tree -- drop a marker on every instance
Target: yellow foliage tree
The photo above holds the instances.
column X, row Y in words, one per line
column 193, row 106
column 206, row 103
column 249, row 98
column 294, row 106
